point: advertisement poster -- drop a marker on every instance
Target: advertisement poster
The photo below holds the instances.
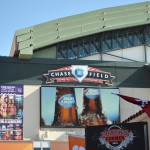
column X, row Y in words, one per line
column 127, row 136
column 11, row 112
column 76, row 142
column 69, row 106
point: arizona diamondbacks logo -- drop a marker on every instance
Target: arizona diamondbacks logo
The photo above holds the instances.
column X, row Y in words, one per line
column 80, row 72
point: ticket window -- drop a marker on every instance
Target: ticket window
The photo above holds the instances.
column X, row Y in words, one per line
column 41, row 148
column 41, row 145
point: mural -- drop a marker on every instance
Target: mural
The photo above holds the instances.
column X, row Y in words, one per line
column 11, row 112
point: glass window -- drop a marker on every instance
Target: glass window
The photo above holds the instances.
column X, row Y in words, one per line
column 82, row 50
column 75, row 48
column 138, row 38
column 107, row 42
column 86, row 46
column 37, row 148
column 128, row 39
column 46, row 148
column 62, row 52
column 147, row 36
column 71, row 54
column 94, row 45
column 117, row 41
column 112, row 40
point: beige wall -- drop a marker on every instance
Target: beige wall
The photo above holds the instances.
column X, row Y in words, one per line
column 31, row 120
column 134, row 53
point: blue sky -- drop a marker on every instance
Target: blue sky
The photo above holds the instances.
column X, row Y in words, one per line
column 19, row 14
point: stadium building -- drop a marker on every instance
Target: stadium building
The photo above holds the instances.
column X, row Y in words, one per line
column 113, row 44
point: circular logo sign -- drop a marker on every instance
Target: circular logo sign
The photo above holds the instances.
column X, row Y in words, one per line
column 67, row 101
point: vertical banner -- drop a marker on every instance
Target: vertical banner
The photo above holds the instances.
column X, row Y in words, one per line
column 11, row 112
column 127, row 136
column 76, row 142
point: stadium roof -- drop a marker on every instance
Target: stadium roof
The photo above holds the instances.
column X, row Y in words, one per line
column 49, row 33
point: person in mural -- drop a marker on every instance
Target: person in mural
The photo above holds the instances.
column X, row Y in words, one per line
column 3, row 105
column 18, row 133
column 3, row 132
column 19, row 114
column 11, row 106
column 0, row 132
column 8, row 133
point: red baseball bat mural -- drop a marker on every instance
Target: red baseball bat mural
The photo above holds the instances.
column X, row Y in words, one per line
column 144, row 104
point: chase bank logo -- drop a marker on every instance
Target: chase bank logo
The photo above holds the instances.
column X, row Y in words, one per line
column 80, row 72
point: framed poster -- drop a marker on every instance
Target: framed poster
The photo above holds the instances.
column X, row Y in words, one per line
column 11, row 112
column 78, row 107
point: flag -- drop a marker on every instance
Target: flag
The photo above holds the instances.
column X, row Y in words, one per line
column 144, row 104
column 76, row 142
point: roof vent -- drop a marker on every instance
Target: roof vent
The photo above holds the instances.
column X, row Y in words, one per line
column 58, row 37
column 148, row 12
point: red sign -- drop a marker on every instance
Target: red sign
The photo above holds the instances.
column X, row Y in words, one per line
column 79, row 74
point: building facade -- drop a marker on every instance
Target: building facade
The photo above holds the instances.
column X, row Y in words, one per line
column 114, row 40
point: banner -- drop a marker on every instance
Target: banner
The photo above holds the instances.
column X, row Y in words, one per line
column 129, row 136
column 74, row 107
column 11, row 112
column 79, row 73
column 76, row 142
column 144, row 104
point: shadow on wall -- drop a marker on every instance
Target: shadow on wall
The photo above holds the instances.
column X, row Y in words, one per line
column 139, row 78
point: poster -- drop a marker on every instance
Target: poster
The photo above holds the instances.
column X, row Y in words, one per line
column 76, row 106
column 76, row 142
column 127, row 136
column 11, row 112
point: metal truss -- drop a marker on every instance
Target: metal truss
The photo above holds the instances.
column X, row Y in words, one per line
column 104, row 42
